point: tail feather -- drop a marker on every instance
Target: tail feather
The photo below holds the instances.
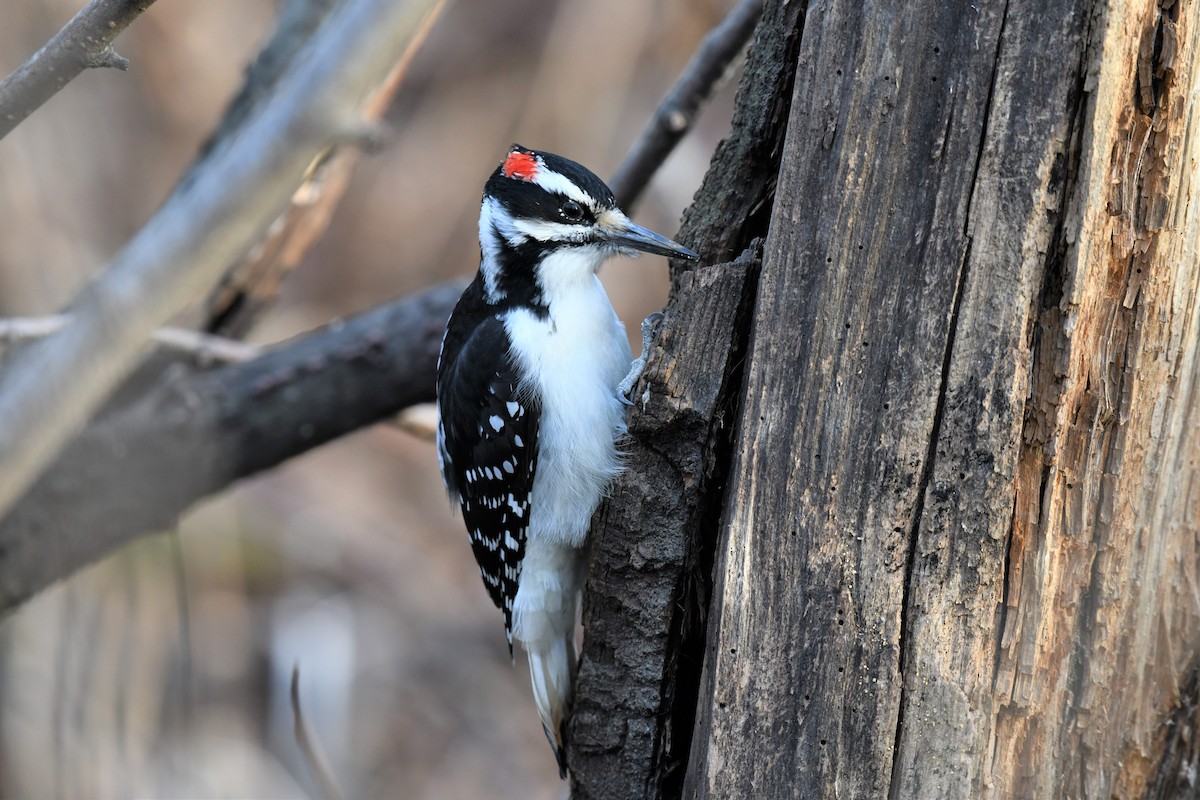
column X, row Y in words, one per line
column 552, row 676
column 545, row 615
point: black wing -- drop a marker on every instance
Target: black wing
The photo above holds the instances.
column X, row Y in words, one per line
column 488, row 446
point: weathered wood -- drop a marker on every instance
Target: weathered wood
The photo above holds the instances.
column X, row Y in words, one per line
column 1026, row 170
column 1101, row 622
column 1178, row 773
column 962, row 538
column 855, row 305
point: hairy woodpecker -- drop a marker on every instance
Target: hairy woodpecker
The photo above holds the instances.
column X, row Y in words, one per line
column 530, row 410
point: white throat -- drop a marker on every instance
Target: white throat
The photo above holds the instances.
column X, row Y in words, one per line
column 566, row 273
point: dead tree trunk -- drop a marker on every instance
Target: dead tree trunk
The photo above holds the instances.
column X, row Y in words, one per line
column 938, row 451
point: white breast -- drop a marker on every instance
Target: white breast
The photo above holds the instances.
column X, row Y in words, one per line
column 574, row 359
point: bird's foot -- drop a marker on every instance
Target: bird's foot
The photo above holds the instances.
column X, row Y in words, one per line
column 649, row 326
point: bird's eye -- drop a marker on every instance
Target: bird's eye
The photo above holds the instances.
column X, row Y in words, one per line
column 571, row 211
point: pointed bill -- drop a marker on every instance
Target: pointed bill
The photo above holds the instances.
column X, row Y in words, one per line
column 628, row 235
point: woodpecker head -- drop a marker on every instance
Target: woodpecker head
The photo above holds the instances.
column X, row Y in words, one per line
column 548, row 220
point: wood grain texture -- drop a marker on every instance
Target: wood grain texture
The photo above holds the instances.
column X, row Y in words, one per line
column 1101, row 623
column 1177, row 771
column 962, row 537
column 1027, row 165
column 858, row 291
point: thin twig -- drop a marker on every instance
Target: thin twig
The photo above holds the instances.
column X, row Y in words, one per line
column 310, row 746
column 85, row 41
column 203, row 347
column 50, row 389
column 678, row 111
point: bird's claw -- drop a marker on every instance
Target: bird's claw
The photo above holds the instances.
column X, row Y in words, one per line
column 649, row 325
column 626, row 385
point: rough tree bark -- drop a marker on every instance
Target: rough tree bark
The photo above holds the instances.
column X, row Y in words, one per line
column 646, row 595
column 956, row 531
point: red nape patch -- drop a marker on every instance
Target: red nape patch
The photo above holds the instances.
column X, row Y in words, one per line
column 523, row 166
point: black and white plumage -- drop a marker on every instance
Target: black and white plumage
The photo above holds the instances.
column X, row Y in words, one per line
column 529, row 408
column 489, row 458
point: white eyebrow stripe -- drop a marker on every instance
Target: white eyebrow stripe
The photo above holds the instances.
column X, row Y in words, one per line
column 545, row 231
column 553, row 181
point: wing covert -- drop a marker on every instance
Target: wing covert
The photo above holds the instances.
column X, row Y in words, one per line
column 488, row 442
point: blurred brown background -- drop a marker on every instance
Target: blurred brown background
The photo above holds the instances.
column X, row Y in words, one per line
column 163, row 672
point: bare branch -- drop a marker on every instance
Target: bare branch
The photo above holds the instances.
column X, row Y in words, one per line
column 203, row 347
column 138, row 468
column 250, row 288
column 84, row 42
column 677, row 112
column 50, row 389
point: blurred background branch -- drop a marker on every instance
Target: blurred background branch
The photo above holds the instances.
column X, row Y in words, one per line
column 676, row 114
column 48, row 390
column 84, row 42
column 203, row 347
column 247, row 290
column 194, row 436
column 310, row 745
